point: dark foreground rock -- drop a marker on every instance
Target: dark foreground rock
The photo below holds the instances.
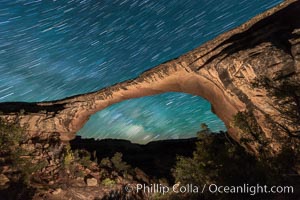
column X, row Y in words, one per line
column 156, row 158
column 38, row 168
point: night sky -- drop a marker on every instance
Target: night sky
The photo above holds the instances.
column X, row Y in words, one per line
column 51, row 49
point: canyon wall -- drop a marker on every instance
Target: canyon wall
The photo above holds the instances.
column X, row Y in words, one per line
column 250, row 75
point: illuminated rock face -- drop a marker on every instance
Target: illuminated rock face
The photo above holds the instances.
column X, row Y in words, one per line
column 250, row 75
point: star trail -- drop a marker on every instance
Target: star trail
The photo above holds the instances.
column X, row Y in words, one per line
column 51, row 49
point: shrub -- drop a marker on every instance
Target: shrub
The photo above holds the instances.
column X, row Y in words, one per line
column 118, row 163
column 68, row 157
column 11, row 136
column 14, row 154
column 217, row 160
column 83, row 157
column 106, row 163
column 108, row 182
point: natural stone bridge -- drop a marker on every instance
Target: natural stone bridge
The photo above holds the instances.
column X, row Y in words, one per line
column 241, row 73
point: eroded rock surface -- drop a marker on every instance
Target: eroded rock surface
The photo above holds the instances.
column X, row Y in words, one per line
column 250, row 75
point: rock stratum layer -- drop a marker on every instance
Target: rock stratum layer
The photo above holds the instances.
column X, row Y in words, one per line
column 250, row 75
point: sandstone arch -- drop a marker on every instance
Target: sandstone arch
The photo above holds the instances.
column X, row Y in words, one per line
column 223, row 71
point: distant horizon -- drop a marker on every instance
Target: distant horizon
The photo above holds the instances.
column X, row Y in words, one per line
column 126, row 140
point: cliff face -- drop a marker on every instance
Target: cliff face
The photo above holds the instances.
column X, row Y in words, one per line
column 250, row 75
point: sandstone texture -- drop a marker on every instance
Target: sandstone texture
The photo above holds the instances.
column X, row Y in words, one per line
column 48, row 169
column 250, row 75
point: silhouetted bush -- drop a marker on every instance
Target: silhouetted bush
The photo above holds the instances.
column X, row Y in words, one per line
column 83, row 157
column 223, row 162
column 118, row 163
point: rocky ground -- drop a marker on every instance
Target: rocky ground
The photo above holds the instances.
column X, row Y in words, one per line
column 156, row 158
column 49, row 169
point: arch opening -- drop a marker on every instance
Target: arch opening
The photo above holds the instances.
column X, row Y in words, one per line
column 171, row 115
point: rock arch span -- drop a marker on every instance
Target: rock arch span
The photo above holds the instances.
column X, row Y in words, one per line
column 67, row 116
column 224, row 71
